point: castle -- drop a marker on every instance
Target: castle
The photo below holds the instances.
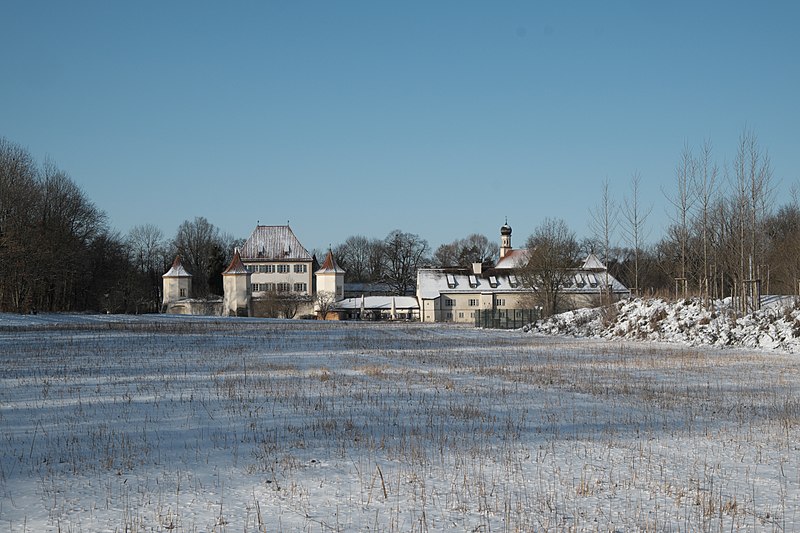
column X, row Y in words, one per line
column 273, row 276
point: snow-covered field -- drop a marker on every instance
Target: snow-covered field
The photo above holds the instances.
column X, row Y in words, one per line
column 208, row 424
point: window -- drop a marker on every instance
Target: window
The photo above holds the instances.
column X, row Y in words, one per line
column 473, row 280
column 493, row 281
column 269, row 269
column 461, row 314
column 501, row 302
column 512, row 280
column 255, row 287
column 262, row 268
column 284, row 287
column 451, row 281
column 300, row 287
column 300, row 269
column 449, row 315
column 283, row 269
column 182, row 293
column 473, row 302
column 250, row 268
column 268, row 287
column 449, row 302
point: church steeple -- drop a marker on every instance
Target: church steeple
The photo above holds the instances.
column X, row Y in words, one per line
column 505, row 239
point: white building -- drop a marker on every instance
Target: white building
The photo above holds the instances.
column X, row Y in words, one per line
column 237, row 299
column 272, row 275
column 330, row 279
column 277, row 262
column 457, row 294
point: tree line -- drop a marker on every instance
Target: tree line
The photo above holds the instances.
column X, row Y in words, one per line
column 58, row 253
column 727, row 237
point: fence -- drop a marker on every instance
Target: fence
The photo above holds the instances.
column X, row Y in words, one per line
column 505, row 318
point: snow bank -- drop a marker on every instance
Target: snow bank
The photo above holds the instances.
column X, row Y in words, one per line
column 775, row 327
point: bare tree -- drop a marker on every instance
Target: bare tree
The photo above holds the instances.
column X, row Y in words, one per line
column 323, row 303
column 361, row 257
column 635, row 217
column 783, row 254
column 603, row 224
column 147, row 250
column 19, row 253
column 403, row 254
column 446, row 255
column 147, row 247
column 753, row 179
column 682, row 201
column 552, row 253
column 705, row 192
column 475, row 248
column 198, row 243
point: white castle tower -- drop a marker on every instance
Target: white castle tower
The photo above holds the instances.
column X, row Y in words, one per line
column 236, row 288
column 330, row 278
column 176, row 283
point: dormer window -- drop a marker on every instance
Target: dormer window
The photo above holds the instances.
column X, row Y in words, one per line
column 512, row 280
column 473, row 280
column 493, row 282
column 451, row 281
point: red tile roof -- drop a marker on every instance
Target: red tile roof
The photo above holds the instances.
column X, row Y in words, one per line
column 236, row 266
column 177, row 270
column 330, row 265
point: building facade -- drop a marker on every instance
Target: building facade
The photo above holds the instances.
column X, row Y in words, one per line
column 458, row 294
column 278, row 263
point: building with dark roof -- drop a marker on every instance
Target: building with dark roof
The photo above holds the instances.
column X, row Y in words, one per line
column 278, row 263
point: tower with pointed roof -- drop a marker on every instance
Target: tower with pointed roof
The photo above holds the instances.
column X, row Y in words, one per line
column 176, row 283
column 330, row 277
column 237, row 289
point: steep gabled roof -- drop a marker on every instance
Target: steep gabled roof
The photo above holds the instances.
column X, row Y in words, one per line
column 593, row 263
column 276, row 243
column 177, row 270
column 513, row 259
column 236, row 266
column 330, row 266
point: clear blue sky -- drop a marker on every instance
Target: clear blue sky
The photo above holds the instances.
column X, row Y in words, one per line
column 438, row 118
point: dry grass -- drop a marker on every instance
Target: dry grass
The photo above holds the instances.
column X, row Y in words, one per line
column 336, row 427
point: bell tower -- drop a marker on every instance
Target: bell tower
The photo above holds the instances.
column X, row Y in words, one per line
column 505, row 239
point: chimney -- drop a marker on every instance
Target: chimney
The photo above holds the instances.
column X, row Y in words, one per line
column 477, row 268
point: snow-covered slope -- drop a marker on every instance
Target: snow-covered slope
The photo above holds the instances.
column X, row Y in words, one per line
column 774, row 327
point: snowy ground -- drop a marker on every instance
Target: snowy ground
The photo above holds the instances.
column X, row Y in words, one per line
column 201, row 424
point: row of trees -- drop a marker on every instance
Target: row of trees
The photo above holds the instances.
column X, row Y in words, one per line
column 57, row 252
column 395, row 259
column 727, row 238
